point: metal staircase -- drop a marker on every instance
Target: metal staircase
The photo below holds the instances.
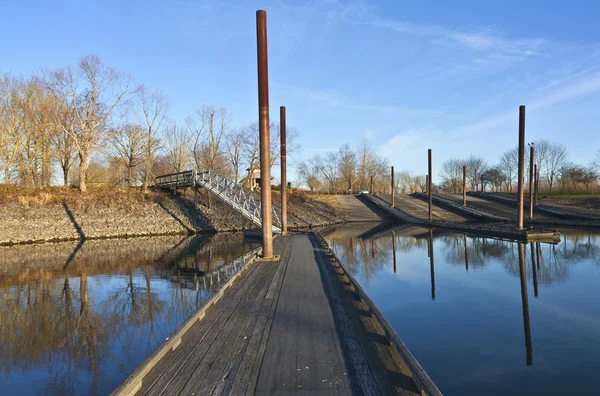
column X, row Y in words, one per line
column 235, row 195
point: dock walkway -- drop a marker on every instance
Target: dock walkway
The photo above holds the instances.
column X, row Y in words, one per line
column 294, row 327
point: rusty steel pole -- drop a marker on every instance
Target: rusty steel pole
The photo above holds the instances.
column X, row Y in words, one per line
column 429, row 181
column 282, row 133
column 531, row 185
column 263, row 122
column 464, row 185
column 393, row 190
column 521, row 165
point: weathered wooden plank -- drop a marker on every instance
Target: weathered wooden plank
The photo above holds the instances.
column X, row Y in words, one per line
column 231, row 350
column 257, row 366
column 234, row 379
column 196, row 371
column 174, row 375
column 160, row 375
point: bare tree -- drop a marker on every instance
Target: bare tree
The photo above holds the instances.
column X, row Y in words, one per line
column 208, row 128
column 347, row 166
column 127, row 147
column 452, row 174
column 309, row 172
column 476, row 166
column 93, row 92
column 509, row 164
column 178, row 148
column 556, row 157
column 153, row 106
column 10, row 141
column 329, row 168
column 62, row 142
column 234, row 144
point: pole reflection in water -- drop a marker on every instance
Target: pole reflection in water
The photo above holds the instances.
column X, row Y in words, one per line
column 466, row 253
column 525, row 302
column 533, row 266
column 431, row 264
column 394, row 249
column 537, row 253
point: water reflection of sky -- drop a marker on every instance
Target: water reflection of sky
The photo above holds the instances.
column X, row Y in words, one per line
column 83, row 327
column 480, row 332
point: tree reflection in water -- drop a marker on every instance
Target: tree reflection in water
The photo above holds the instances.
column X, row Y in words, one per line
column 80, row 317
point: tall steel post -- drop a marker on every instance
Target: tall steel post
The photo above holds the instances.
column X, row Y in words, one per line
column 283, row 148
column 263, row 122
column 371, row 189
column 482, row 185
column 531, row 185
column 393, row 190
column 464, row 185
column 521, row 165
column 429, row 182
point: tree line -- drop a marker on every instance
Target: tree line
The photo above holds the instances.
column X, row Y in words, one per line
column 348, row 170
column 555, row 171
column 94, row 124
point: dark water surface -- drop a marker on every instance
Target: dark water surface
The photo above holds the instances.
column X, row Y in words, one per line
column 78, row 318
column 479, row 322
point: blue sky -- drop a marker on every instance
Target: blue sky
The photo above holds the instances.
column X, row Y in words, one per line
column 406, row 76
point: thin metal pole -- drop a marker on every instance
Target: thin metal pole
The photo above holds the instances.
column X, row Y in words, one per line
column 372, row 192
column 283, row 148
column 464, row 185
column 429, row 181
column 393, row 190
column 521, row 165
column 263, row 121
column 525, row 304
column 482, row 185
column 531, row 185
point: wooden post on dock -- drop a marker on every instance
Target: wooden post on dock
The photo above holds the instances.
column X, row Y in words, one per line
column 263, row 121
column 464, row 185
column 429, row 181
column 393, row 190
column 283, row 148
column 531, row 185
column 525, row 304
column 521, row 165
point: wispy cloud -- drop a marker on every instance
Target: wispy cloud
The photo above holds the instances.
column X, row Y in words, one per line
column 334, row 99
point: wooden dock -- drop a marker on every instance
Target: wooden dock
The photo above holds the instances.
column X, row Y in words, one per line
column 300, row 326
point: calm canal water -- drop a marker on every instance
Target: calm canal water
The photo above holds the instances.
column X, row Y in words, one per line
column 477, row 321
column 78, row 318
